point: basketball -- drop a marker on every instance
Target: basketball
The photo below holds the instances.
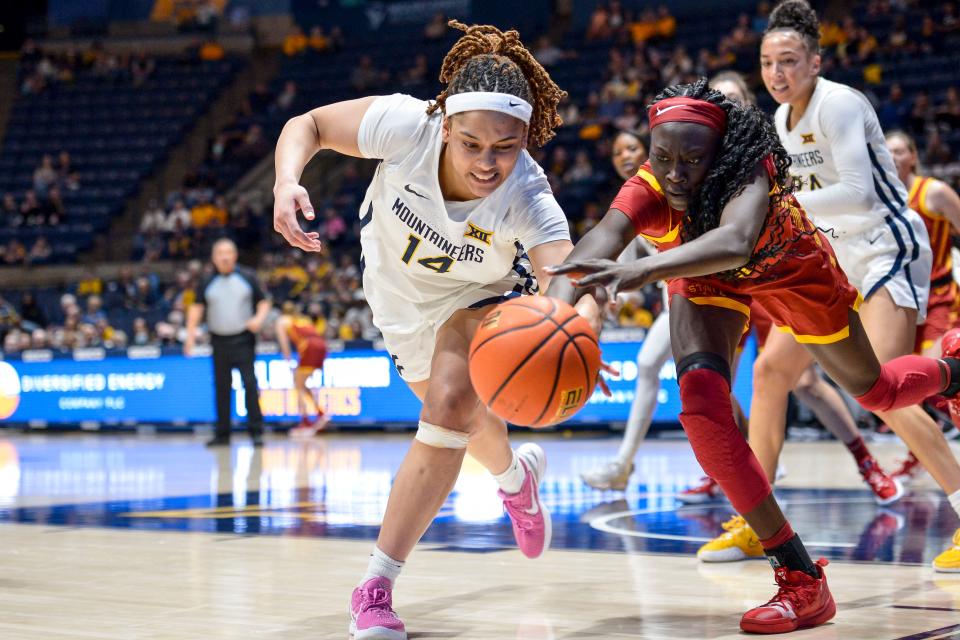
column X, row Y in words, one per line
column 534, row 361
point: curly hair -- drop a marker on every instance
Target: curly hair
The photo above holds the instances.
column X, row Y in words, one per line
column 487, row 59
column 799, row 16
column 750, row 138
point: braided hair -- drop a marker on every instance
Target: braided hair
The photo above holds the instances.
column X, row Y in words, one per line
column 749, row 139
column 799, row 16
column 487, row 59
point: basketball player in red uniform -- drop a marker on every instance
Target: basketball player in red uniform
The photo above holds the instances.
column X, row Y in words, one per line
column 297, row 329
column 716, row 198
column 939, row 206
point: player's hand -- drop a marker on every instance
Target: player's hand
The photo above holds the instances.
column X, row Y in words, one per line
column 188, row 347
column 253, row 325
column 287, row 199
column 609, row 274
column 591, row 310
column 603, row 383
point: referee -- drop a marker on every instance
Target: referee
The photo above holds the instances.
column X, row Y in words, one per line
column 236, row 308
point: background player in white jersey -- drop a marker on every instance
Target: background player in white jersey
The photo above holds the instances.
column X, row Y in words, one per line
column 452, row 206
column 850, row 186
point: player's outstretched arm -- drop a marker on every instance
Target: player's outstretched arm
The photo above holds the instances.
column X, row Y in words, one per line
column 607, row 240
column 334, row 126
column 729, row 246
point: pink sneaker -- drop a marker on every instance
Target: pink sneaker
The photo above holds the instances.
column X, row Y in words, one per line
column 371, row 612
column 531, row 521
column 707, row 491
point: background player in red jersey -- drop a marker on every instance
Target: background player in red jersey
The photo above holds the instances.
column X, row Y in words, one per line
column 716, row 198
column 297, row 329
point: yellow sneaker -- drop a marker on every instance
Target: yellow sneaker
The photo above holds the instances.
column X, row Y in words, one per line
column 738, row 543
column 949, row 560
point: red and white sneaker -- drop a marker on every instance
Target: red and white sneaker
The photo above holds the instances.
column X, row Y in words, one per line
column 371, row 612
column 801, row 602
column 707, row 491
column 531, row 521
column 909, row 470
column 950, row 348
column 886, row 490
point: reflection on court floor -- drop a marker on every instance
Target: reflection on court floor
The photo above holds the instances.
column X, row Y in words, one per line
column 338, row 487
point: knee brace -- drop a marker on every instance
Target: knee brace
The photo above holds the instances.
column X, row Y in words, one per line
column 707, row 418
column 906, row 381
column 440, row 437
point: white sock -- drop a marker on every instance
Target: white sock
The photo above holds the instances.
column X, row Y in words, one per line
column 954, row 499
column 511, row 480
column 382, row 566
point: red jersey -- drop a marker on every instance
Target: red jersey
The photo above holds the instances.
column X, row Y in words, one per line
column 787, row 227
column 937, row 226
column 300, row 330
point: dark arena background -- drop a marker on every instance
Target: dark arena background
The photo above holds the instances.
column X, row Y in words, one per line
column 136, row 134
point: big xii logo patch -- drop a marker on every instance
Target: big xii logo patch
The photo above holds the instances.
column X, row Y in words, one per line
column 475, row 232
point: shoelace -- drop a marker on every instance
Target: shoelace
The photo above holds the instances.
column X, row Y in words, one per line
column 518, row 516
column 792, row 593
column 376, row 598
column 873, row 476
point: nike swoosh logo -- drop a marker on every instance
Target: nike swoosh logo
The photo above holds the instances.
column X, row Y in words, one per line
column 419, row 195
column 875, row 239
column 665, row 109
column 535, row 509
column 513, row 104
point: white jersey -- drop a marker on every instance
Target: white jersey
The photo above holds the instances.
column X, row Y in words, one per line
column 422, row 249
column 849, row 181
column 850, row 189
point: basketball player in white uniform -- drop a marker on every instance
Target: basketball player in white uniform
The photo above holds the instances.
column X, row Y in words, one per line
column 850, row 187
column 451, row 209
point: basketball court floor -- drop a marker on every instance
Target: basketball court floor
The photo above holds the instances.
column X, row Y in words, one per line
column 140, row 537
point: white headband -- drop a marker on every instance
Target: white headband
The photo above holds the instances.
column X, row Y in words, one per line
column 489, row 101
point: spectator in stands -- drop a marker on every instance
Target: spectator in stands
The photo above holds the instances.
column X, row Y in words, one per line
column 94, row 312
column 39, row 339
column 549, row 54
column 10, row 211
column 40, row 252
column 32, row 210
column 72, row 183
column 15, row 252
column 254, row 144
column 582, row 169
column 31, row 314
column 436, row 29
column 288, row 96
column 154, row 218
column 140, row 333
column 209, row 214
column 319, row 42
column 334, row 226
column 179, row 217
column 365, row 76
column 948, row 113
column 54, row 209
column 90, row 283
column 921, row 114
column 416, row 76
column 44, row 176
column 295, row 43
column 894, row 110
column 64, row 165
column 937, row 151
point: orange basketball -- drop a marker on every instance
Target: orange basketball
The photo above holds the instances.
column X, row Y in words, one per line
column 534, row 361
